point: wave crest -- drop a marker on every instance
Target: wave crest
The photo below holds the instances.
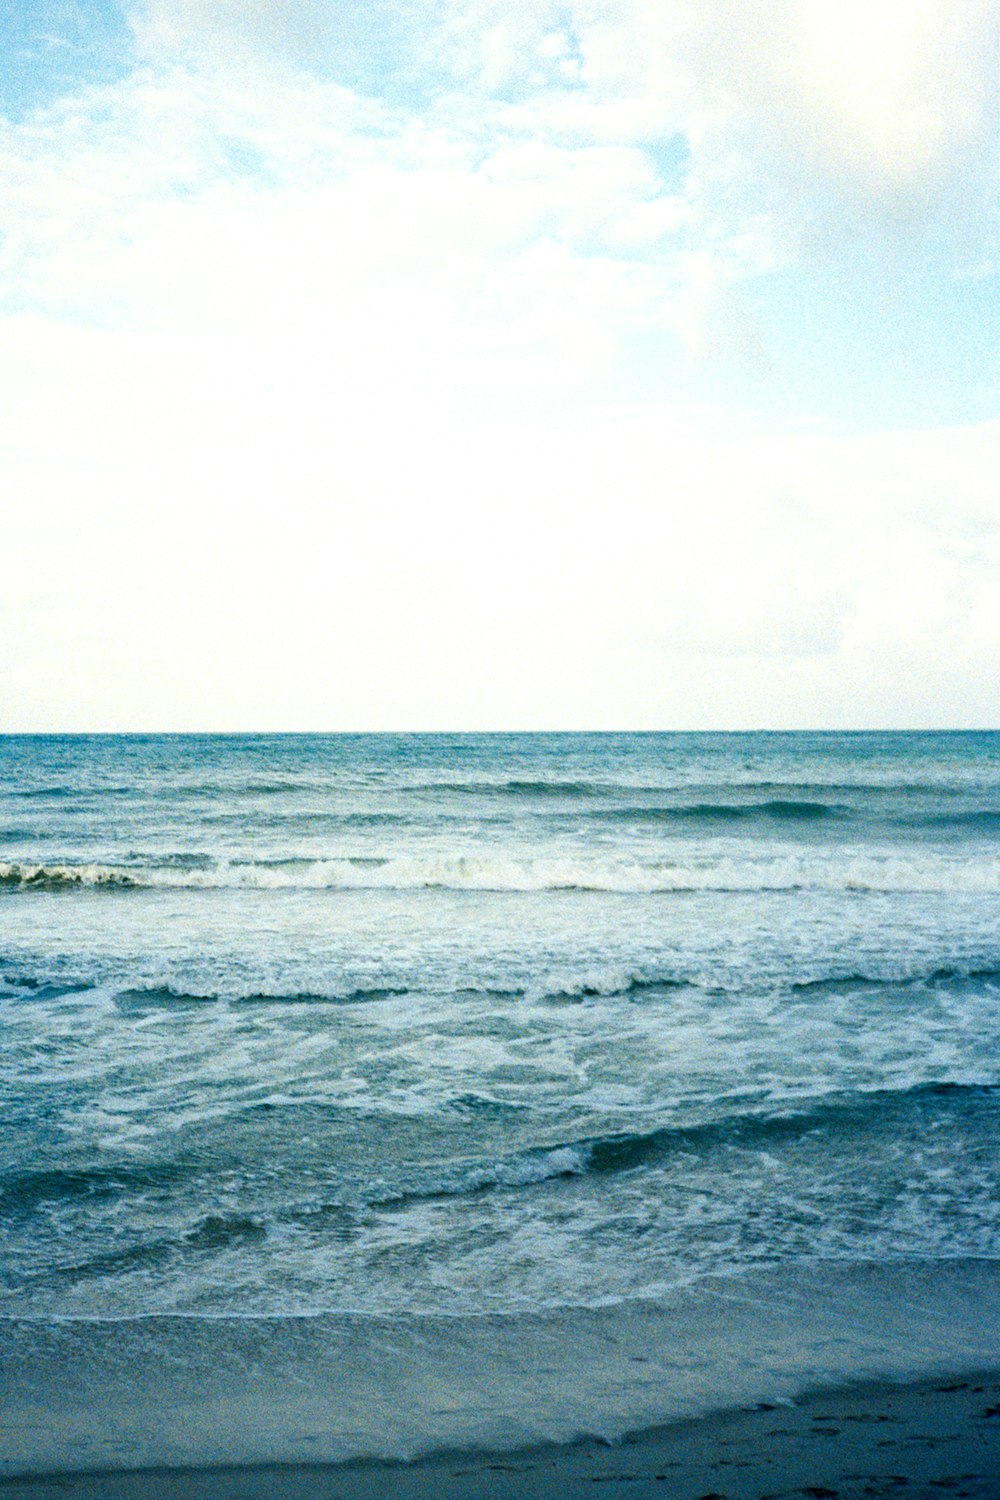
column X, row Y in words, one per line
column 26, row 877
column 488, row 872
column 757, row 1128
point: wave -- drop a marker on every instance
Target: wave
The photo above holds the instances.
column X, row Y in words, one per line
column 823, row 870
column 755, row 1128
column 30, row 793
column 156, row 996
column 796, row 810
column 778, row 809
column 791, row 788
column 855, row 980
column 139, row 997
column 145, row 1256
column 62, row 791
column 792, row 811
column 990, row 974
column 221, row 1231
column 552, row 989
column 24, row 1192
column 591, row 987
column 668, row 786
column 517, row 787
column 193, row 791
column 64, row 877
column 977, row 818
column 294, row 786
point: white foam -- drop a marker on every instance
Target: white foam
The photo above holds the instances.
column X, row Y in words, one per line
column 826, row 869
column 522, row 1171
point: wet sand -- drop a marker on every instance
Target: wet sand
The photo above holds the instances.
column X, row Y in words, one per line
column 937, row 1439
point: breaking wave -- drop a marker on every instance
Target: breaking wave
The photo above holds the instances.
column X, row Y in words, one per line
column 27, row 877
column 164, row 996
column 760, row 1129
column 568, row 988
column 757, row 1127
column 813, row 870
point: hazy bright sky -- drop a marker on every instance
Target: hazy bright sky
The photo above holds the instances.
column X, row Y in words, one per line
column 387, row 364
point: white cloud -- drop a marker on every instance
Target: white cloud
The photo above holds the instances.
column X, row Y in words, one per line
column 879, row 105
column 885, row 96
column 318, row 409
column 799, row 118
column 351, row 42
column 189, row 201
column 200, row 540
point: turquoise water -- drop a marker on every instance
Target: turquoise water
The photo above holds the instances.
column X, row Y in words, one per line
column 613, row 1075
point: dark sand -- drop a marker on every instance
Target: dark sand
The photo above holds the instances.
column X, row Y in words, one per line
column 938, row 1439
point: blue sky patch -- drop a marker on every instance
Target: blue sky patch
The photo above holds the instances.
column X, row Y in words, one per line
column 54, row 47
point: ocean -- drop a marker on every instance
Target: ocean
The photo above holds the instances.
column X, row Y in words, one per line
column 366, row 1095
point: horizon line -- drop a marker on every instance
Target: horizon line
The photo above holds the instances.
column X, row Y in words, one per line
column 6, row 734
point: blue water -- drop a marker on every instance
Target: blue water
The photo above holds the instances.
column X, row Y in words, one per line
column 361, row 1094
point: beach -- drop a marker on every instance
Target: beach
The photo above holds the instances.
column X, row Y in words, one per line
column 924, row 1440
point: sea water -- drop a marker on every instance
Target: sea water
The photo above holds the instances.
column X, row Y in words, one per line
column 361, row 1095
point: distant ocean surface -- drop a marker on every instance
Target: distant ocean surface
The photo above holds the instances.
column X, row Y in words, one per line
column 361, row 1095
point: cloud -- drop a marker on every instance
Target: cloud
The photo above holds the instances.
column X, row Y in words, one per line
column 191, row 201
column 876, row 99
column 868, row 117
column 797, row 128
column 351, row 386
column 210, row 534
column 352, row 44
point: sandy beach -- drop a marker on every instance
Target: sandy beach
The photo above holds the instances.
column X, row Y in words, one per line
column 929, row 1440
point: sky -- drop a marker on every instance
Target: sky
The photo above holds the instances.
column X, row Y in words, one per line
column 457, row 364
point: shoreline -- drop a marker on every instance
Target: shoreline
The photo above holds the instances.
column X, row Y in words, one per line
column 931, row 1438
